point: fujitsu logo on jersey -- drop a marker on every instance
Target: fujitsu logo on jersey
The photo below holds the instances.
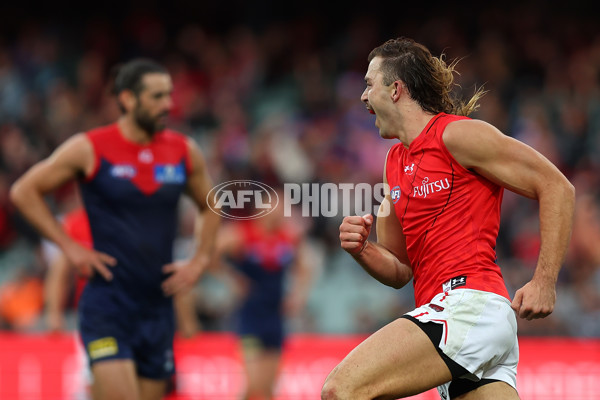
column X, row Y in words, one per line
column 428, row 188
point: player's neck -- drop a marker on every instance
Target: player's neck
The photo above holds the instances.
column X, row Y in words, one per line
column 132, row 132
column 413, row 121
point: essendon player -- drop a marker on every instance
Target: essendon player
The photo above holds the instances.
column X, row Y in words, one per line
column 438, row 227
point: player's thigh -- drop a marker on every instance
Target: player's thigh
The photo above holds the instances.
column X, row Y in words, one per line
column 491, row 391
column 115, row 379
column 262, row 371
column 398, row 360
column 260, row 362
column 185, row 313
column 270, row 364
column 152, row 389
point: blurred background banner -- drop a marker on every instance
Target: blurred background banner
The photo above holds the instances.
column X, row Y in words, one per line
column 209, row 367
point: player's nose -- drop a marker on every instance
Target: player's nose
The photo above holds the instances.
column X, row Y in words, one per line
column 363, row 97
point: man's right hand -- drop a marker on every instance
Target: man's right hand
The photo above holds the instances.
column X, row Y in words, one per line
column 354, row 232
column 87, row 261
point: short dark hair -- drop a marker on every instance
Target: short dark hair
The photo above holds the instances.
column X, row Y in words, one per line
column 129, row 76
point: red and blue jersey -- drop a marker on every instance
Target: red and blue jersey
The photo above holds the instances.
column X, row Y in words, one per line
column 265, row 259
column 131, row 199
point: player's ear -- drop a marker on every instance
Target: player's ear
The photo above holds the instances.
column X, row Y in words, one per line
column 127, row 99
column 398, row 87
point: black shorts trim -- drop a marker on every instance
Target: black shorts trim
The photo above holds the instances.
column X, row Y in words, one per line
column 459, row 385
column 434, row 332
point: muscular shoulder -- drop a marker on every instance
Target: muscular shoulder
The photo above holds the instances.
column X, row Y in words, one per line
column 77, row 149
column 470, row 141
column 73, row 157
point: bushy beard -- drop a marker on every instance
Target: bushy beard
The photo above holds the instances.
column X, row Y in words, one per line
column 149, row 123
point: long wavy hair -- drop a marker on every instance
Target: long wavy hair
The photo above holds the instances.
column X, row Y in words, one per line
column 429, row 80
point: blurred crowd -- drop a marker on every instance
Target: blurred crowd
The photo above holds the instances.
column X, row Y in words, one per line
column 277, row 101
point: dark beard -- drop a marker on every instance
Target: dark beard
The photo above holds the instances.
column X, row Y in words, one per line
column 148, row 123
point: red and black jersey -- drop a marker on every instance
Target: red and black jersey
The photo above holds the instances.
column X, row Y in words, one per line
column 449, row 215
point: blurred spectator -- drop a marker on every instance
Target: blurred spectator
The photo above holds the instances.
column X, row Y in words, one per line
column 21, row 302
column 272, row 279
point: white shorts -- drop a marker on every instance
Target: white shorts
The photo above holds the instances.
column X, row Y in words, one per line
column 479, row 333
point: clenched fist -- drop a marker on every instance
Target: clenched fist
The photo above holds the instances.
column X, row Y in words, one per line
column 354, row 232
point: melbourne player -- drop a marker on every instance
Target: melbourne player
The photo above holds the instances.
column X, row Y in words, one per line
column 131, row 175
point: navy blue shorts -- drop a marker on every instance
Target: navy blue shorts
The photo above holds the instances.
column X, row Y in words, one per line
column 267, row 333
column 262, row 340
column 145, row 339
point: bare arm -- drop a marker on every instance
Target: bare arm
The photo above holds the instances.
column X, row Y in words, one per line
column 482, row 148
column 72, row 158
column 185, row 313
column 205, row 228
column 387, row 260
column 27, row 193
column 302, row 274
column 199, row 185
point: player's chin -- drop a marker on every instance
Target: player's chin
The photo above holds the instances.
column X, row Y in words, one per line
column 385, row 134
column 382, row 131
column 160, row 123
column 159, row 127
